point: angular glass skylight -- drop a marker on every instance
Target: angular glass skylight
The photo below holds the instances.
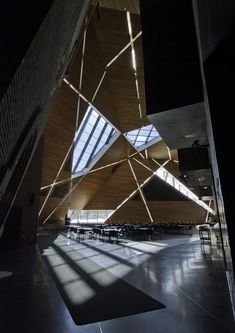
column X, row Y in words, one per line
column 173, row 181
column 92, row 135
column 142, row 137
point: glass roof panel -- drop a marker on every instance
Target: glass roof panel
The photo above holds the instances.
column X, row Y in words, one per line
column 92, row 135
column 142, row 136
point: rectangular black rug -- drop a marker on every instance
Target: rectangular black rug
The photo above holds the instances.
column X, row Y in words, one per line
column 90, row 292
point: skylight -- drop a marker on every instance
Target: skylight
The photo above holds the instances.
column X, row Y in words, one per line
column 93, row 134
column 142, row 137
column 173, row 181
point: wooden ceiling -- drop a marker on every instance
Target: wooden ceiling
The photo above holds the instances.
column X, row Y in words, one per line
column 111, row 89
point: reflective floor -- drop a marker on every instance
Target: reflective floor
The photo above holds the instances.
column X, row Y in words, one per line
column 177, row 271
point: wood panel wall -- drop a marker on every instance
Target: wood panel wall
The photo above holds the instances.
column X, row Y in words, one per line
column 107, row 34
column 58, row 136
column 168, row 212
column 58, row 133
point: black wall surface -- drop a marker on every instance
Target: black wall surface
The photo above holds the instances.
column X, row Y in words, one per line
column 189, row 57
column 216, row 31
column 37, row 42
column 171, row 61
column 21, row 225
column 19, row 22
column 218, row 67
column 193, row 158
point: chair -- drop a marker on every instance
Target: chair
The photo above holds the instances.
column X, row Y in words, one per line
column 204, row 234
column 112, row 233
column 81, row 234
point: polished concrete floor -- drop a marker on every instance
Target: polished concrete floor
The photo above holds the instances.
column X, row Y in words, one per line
column 178, row 271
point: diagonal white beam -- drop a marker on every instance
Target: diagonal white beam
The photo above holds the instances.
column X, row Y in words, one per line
column 123, row 50
column 132, row 193
column 107, row 165
column 207, row 213
column 90, row 171
column 140, row 191
column 185, row 190
column 161, row 165
column 81, row 72
column 79, row 93
column 77, row 116
column 134, row 65
column 58, row 183
column 98, row 86
column 169, row 153
column 57, row 175
column 146, row 167
column 142, row 155
column 63, row 199
column 51, row 186
column 73, row 188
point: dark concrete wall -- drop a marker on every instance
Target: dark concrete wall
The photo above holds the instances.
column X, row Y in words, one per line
column 21, row 225
column 171, row 61
column 216, row 33
column 38, row 40
column 19, row 22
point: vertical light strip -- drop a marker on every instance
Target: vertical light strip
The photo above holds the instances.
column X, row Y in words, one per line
column 82, row 61
column 81, row 71
column 140, row 191
column 123, row 50
column 146, row 153
column 133, row 56
column 80, row 87
column 137, row 89
column 140, row 111
column 131, row 40
column 169, row 153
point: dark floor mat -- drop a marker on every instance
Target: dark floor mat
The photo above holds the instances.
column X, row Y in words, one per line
column 88, row 299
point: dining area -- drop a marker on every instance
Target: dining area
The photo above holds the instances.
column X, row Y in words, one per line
column 110, row 234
